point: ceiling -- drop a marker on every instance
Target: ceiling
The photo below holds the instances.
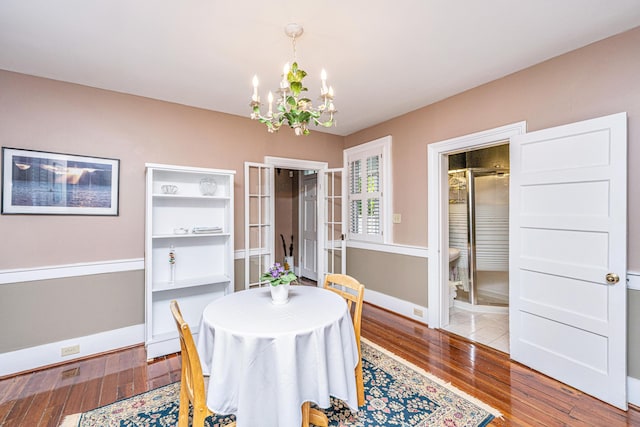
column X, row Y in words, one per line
column 382, row 58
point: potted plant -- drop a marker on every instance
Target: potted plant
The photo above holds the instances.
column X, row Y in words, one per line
column 279, row 279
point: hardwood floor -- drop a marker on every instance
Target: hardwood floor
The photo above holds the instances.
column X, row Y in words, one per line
column 44, row 397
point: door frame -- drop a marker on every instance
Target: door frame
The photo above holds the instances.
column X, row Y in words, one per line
column 299, row 164
column 438, row 206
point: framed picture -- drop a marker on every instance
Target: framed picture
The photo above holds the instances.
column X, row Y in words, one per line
column 38, row 182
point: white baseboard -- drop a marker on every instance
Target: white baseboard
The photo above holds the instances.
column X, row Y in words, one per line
column 396, row 305
column 49, row 354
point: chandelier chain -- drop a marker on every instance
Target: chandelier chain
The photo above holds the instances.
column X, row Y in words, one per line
column 293, row 42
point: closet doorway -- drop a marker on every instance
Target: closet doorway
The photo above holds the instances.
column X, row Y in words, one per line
column 296, row 229
column 478, row 222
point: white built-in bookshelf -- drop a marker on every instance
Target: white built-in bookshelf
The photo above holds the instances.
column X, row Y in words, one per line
column 188, row 248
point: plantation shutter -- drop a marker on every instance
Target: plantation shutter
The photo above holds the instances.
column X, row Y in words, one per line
column 365, row 196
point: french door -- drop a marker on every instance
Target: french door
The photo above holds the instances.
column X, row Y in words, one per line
column 258, row 219
column 334, row 259
column 259, row 232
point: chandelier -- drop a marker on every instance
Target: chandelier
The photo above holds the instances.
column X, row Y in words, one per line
column 293, row 108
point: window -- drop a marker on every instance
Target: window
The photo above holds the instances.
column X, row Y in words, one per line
column 369, row 183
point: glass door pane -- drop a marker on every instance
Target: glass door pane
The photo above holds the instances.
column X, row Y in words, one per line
column 491, row 194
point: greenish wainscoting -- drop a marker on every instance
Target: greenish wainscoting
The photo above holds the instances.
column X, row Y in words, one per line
column 396, row 275
column 46, row 311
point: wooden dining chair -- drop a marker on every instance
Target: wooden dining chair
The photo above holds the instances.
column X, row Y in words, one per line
column 353, row 292
column 192, row 384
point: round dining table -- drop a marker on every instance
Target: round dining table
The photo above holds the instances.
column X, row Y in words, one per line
column 266, row 360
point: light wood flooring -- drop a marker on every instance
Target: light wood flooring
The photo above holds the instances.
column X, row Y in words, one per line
column 44, row 397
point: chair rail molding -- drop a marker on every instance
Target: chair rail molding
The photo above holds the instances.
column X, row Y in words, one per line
column 30, row 274
column 633, row 280
column 417, row 251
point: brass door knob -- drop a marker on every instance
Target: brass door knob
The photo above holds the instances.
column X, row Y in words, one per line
column 612, row 278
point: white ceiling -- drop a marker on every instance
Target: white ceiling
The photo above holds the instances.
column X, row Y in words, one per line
column 383, row 58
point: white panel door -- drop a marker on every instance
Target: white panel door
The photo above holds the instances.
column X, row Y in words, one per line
column 568, row 308
column 258, row 217
column 334, row 254
column 309, row 253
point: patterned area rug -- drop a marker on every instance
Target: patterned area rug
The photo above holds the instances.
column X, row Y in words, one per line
column 397, row 393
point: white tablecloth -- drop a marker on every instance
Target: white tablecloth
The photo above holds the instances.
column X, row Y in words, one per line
column 266, row 360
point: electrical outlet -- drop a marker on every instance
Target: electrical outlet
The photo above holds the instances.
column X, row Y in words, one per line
column 397, row 218
column 68, row 351
column 70, row 373
column 418, row 312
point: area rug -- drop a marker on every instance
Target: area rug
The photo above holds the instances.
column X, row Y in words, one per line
column 397, row 393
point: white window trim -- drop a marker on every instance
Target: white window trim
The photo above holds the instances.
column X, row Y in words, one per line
column 383, row 146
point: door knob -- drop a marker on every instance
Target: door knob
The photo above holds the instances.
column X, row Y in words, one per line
column 612, row 278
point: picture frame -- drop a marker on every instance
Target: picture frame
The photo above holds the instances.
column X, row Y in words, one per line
column 48, row 183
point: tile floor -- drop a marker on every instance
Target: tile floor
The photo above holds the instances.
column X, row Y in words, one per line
column 491, row 329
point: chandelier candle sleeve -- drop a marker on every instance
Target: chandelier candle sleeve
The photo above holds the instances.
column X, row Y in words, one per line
column 255, row 97
column 323, row 77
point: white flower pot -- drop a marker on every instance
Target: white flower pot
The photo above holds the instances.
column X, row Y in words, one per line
column 280, row 294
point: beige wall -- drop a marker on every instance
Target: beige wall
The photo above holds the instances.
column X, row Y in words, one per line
column 594, row 81
column 48, row 115
column 600, row 79
column 286, row 211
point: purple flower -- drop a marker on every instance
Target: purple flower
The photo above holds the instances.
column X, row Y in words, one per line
column 277, row 275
